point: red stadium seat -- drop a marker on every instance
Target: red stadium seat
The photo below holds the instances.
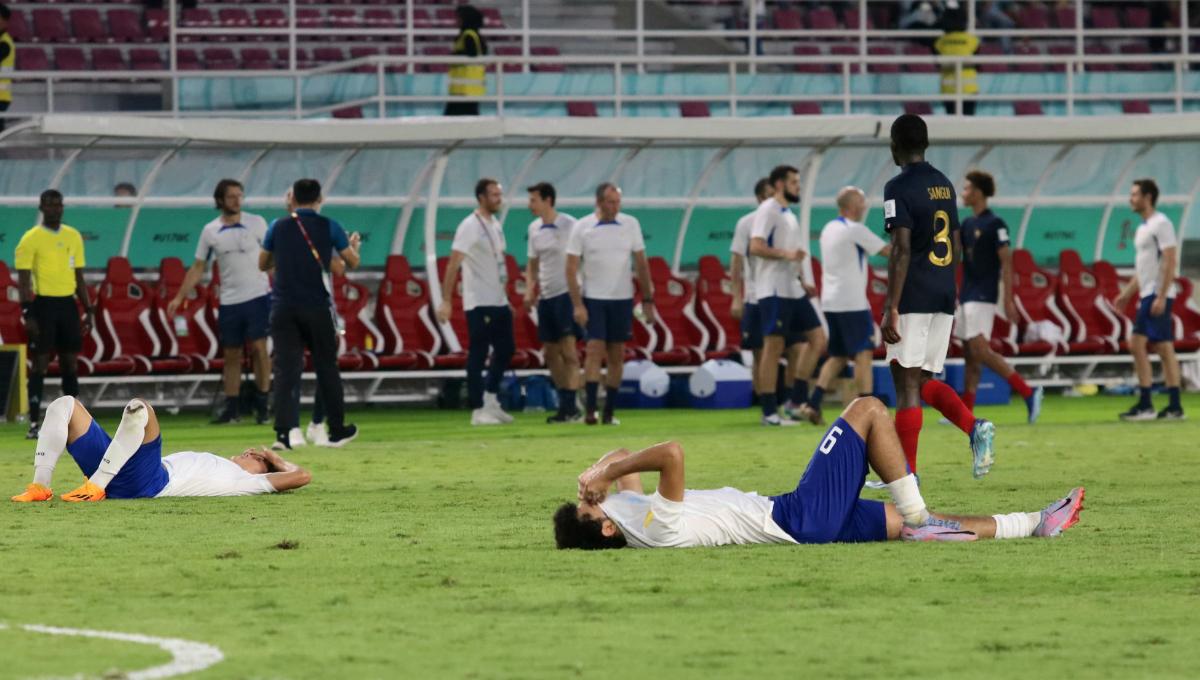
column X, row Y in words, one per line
column 381, row 17
column 1034, row 295
column 682, row 339
column 1105, row 17
column 809, row 59
column 87, row 26
column 1187, row 317
column 125, row 25
column 1098, row 49
column 49, row 25
column 458, row 324
column 434, row 51
column 125, row 314
column 845, row 51
column 546, row 51
column 918, row 108
column 713, row 300
column 883, row 51
column 788, row 19
column 198, row 17
column 822, row 18
column 506, row 51
column 1028, row 50
column 328, row 55
column 18, row 28
column 108, row 59
column 1136, row 49
column 924, row 61
column 1059, row 51
column 1136, row 106
column 990, row 49
column 1137, row 17
column 694, row 110
column 12, row 321
column 158, row 25
column 1095, row 326
column 1033, row 15
column 219, row 59
column 256, row 59
column 582, row 109
column 852, row 19
column 32, row 59
column 70, row 59
column 1027, row 108
column 357, row 335
column 192, row 334
column 405, row 319
column 806, row 108
column 1064, row 16
column 147, row 59
column 270, row 17
column 492, row 17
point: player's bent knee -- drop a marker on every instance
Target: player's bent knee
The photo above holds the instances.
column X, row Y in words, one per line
column 868, row 406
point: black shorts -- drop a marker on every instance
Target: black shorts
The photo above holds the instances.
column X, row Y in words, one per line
column 58, row 327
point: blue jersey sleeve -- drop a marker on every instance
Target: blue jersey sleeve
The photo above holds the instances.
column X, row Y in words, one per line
column 268, row 243
column 1002, row 238
column 337, row 236
column 895, row 208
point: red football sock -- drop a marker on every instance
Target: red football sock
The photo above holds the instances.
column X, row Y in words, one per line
column 908, row 426
column 943, row 397
column 1016, row 382
column 968, row 400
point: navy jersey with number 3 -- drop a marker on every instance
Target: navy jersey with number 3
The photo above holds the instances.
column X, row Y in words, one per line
column 921, row 199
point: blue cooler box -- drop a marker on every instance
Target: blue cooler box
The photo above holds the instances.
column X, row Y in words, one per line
column 643, row 385
column 719, row 383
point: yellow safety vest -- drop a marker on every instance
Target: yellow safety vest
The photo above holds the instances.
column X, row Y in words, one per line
column 6, row 66
column 467, row 80
column 958, row 44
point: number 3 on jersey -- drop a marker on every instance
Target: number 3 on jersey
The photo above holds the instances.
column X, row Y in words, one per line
column 941, row 228
column 831, row 440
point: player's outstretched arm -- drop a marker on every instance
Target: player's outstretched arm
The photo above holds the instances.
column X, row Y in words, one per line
column 665, row 458
column 285, row 475
column 897, row 273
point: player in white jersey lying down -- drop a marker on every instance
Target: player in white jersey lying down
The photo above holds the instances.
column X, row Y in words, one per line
column 130, row 464
column 824, row 507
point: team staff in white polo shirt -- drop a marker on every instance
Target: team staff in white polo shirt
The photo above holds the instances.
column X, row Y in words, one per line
column 845, row 246
column 606, row 241
column 235, row 238
column 546, row 286
column 788, row 317
column 1154, row 283
column 478, row 249
column 744, row 306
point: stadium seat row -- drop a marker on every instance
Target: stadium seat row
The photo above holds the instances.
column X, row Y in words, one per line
column 395, row 329
column 1031, row 15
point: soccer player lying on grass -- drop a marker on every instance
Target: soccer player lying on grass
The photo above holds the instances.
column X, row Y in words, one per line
column 130, row 463
column 824, row 507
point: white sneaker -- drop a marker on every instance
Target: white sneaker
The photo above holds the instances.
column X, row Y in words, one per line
column 875, row 484
column 296, row 438
column 316, row 433
column 482, row 416
column 491, row 404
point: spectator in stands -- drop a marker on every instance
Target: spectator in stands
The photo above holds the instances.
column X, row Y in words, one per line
column 995, row 15
column 124, row 190
column 957, row 42
column 50, row 262
column 8, row 61
column 467, row 80
column 920, row 16
column 478, row 249
column 299, row 247
column 235, row 239
column 546, row 286
column 1154, row 283
column 607, row 241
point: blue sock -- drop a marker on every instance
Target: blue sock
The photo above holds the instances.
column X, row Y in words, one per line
column 800, row 392
column 1174, row 405
column 769, row 404
column 593, row 394
column 818, row 395
column 1144, row 398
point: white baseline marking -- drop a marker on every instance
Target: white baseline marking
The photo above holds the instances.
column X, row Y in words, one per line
column 187, row 656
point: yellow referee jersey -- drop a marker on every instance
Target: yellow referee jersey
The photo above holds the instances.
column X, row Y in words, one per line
column 53, row 257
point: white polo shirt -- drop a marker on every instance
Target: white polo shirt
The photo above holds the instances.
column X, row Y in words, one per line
column 778, row 226
column 1153, row 236
column 192, row 473
column 607, row 248
column 845, row 247
column 482, row 244
column 236, row 248
column 548, row 243
column 741, row 246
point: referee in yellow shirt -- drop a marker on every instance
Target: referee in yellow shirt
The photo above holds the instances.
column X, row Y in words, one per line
column 50, row 269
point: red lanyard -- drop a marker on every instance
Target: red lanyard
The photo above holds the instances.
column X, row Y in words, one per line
column 311, row 248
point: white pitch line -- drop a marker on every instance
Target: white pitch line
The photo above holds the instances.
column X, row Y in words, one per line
column 186, row 656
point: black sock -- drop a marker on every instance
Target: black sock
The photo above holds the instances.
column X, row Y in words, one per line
column 260, row 400
column 282, row 438
column 800, row 392
column 593, row 395
column 231, row 406
column 1144, row 398
column 566, row 402
column 1173, row 393
column 610, row 399
column 35, row 396
column 769, row 404
column 818, row 395
column 70, row 384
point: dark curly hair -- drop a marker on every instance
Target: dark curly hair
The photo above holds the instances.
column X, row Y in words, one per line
column 586, row 534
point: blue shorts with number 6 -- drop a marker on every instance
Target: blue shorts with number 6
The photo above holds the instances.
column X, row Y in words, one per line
column 825, row 507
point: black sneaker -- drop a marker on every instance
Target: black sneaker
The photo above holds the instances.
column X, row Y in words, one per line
column 342, row 437
column 558, row 418
column 282, row 442
column 1139, row 412
column 34, row 430
column 1170, row 413
column 609, row 419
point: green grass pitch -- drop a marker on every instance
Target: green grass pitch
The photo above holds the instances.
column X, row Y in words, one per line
column 424, row 550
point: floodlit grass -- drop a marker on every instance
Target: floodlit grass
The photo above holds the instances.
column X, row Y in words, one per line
column 425, row 550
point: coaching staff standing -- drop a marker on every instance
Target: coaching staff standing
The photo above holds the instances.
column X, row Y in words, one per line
column 50, row 263
column 299, row 247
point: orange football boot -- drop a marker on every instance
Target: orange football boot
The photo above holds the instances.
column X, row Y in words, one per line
column 88, row 492
column 34, row 493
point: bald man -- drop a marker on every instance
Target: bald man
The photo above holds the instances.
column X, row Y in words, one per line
column 845, row 246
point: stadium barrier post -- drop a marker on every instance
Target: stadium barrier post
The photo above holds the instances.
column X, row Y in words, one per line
column 641, row 35
column 292, row 41
column 381, row 88
column 752, row 43
column 733, row 88
column 845, row 86
column 524, row 34
column 1070, row 88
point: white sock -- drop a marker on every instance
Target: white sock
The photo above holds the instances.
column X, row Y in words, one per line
column 907, row 497
column 125, row 443
column 52, row 439
column 1017, row 524
column 491, row 400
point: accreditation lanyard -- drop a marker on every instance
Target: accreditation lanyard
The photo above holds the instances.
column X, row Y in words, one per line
column 312, row 249
column 501, row 265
